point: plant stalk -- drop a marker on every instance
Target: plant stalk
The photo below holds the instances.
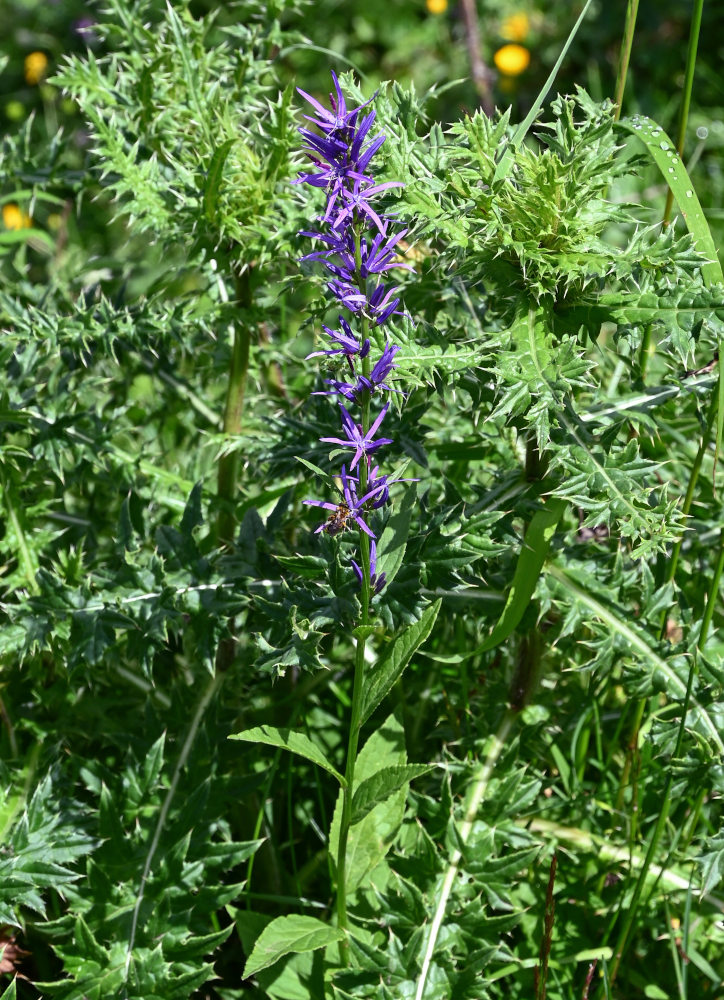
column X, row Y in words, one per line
column 475, row 796
column 691, row 51
column 233, row 409
column 355, row 723
column 713, row 594
column 625, row 55
column 689, row 497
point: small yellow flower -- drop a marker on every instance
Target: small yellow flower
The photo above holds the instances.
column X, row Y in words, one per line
column 512, row 59
column 436, row 6
column 36, row 63
column 515, row 27
column 14, row 217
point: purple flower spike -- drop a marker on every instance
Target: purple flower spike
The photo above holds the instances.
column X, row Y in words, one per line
column 358, row 242
column 362, row 443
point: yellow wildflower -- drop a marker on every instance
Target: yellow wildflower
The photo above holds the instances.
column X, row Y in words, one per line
column 14, row 217
column 515, row 27
column 436, row 6
column 512, row 59
column 36, row 63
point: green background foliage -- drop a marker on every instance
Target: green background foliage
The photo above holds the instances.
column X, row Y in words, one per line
column 545, row 676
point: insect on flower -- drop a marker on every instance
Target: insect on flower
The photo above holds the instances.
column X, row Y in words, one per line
column 337, row 520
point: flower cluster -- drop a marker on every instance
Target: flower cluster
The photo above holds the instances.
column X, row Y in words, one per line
column 359, row 246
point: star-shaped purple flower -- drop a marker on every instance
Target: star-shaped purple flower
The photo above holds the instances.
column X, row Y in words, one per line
column 367, row 384
column 363, row 444
column 345, row 342
column 339, row 119
column 351, row 507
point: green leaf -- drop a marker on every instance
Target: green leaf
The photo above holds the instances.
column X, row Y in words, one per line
column 520, row 133
column 381, row 785
column 288, row 739
column 314, row 468
column 371, row 838
column 9, row 993
column 533, row 554
column 213, row 178
column 90, row 948
column 641, row 643
column 663, row 152
column 291, row 979
column 289, row 935
column 25, row 236
column 394, row 659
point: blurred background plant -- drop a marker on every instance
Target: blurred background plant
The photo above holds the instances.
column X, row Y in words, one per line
column 161, row 587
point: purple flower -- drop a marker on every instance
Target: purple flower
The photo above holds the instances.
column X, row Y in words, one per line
column 381, row 305
column 349, row 295
column 367, row 384
column 346, row 342
column 378, row 257
column 375, row 257
column 362, row 443
column 339, row 119
column 351, row 507
column 376, row 582
column 356, row 202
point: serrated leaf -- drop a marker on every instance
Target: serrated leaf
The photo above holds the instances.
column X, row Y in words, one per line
column 395, row 658
column 289, row 935
column 381, row 785
column 288, row 739
column 641, row 644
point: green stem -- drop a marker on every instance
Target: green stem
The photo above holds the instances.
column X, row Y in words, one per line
column 475, row 796
column 686, row 94
column 355, row 724
column 233, row 409
column 689, row 497
column 625, row 54
column 632, row 753
column 713, row 594
column 630, row 917
column 645, row 352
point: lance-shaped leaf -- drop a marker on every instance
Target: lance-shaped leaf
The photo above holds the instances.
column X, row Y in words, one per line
column 395, row 658
column 381, row 785
column 287, row 936
column 288, row 739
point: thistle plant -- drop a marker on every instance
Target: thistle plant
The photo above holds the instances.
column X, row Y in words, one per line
column 558, row 387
